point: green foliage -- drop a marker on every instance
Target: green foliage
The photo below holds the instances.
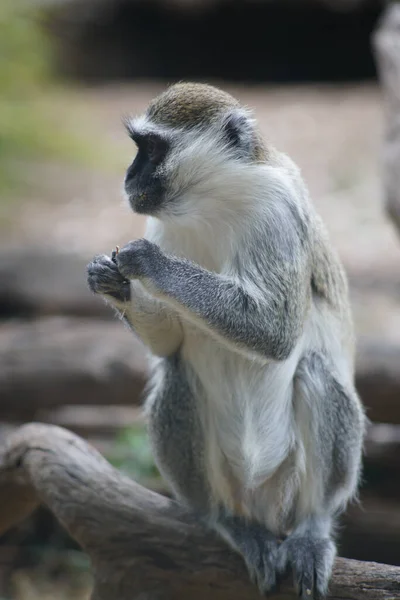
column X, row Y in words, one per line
column 132, row 454
column 23, row 50
column 30, row 126
column 22, row 71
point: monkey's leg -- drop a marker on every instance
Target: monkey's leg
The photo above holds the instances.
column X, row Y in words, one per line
column 332, row 420
column 176, row 435
column 156, row 325
column 257, row 545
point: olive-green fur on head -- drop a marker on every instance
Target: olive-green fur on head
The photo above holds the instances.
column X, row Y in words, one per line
column 189, row 105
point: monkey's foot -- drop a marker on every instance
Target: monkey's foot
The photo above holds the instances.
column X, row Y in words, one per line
column 104, row 278
column 260, row 556
column 311, row 560
column 259, row 549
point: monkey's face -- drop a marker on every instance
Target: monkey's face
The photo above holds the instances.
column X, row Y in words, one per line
column 170, row 170
column 193, row 143
column 145, row 179
column 184, row 173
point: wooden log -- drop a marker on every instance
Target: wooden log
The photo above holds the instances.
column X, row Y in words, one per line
column 382, row 447
column 378, row 379
column 59, row 360
column 100, row 424
column 35, row 281
column 141, row 545
column 98, row 420
column 371, row 528
column 56, row 361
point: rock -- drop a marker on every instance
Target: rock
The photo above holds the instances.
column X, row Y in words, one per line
column 59, row 361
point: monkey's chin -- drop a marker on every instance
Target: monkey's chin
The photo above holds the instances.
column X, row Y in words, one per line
column 143, row 205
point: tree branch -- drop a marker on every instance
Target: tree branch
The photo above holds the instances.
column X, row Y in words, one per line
column 143, row 546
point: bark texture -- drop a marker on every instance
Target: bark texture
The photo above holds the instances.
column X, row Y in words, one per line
column 142, row 546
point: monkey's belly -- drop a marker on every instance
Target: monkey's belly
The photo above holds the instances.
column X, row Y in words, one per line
column 245, row 411
column 272, row 503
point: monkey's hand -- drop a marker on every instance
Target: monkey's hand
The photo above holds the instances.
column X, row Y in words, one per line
column 104, row 278
column 140, row 259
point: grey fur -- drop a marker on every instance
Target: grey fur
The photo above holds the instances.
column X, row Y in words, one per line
column 173, row 425
column 104, row 278
column 253, row 414
column 337, row 423
column 310, row 554
column 280, row 260
column 258, row 546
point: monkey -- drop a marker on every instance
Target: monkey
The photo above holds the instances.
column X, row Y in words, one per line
column 242, row 303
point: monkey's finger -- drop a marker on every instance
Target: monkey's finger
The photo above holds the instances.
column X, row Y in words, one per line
column 318, row 594
column 270, row 585
column 306, row 584
column 270, row 582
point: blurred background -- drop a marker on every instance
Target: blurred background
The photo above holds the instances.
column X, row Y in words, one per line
column 69, row 70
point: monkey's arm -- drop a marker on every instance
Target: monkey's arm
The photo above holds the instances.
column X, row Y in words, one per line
column 154, row 323
column 262, row 310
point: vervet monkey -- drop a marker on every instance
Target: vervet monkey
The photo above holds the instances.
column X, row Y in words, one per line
column 235, row 289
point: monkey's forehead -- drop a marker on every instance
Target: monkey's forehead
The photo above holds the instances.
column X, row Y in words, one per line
column 189, row 104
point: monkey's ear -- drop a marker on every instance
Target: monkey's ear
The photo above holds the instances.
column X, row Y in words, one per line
column 238, row 132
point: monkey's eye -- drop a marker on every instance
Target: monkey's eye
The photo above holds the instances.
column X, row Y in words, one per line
column 152, row 148
column 156, row 149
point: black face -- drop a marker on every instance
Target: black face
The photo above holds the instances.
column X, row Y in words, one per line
column 143, row 182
